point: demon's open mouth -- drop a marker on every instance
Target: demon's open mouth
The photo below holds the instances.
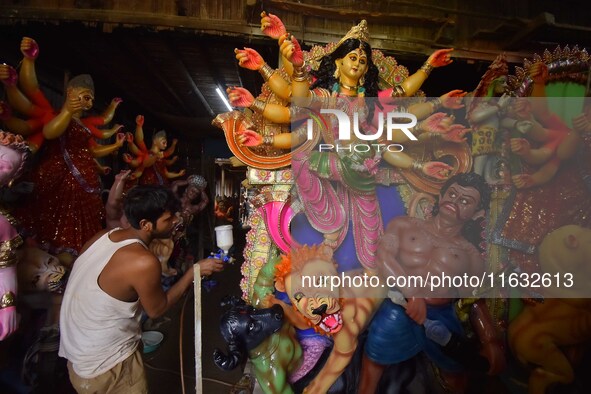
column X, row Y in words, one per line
column 331, row 323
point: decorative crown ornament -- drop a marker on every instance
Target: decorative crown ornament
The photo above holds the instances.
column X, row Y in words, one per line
column 359, row 32
column 564, row 65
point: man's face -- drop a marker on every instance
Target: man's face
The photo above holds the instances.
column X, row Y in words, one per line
column 459, row 203
column 164, row 225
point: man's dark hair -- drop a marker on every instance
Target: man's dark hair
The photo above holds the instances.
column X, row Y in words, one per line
column 148, row 202
column 472, row 229
column 468, row 179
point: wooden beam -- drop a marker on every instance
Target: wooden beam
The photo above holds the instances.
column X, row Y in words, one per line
column 528, row 32
column 129, row 19
column 229, row 28
column 453, row 11
column 413, row 46
column 355, row 14
column 490, row 54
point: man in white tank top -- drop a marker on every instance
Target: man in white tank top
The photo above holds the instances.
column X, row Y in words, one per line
column 113, row 279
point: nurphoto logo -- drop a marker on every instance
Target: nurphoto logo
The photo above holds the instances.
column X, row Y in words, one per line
column 402, row 121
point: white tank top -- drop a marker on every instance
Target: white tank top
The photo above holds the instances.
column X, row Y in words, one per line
column 97, row 331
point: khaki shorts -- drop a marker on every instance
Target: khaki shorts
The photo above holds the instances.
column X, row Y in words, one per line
column 126, row 377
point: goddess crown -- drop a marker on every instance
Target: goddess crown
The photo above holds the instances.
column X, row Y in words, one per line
column 359, row 32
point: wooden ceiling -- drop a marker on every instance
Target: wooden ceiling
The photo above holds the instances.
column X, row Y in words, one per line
column 166, row 58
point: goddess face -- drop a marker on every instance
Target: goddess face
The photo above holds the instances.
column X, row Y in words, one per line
column 10, row 161
column 353, row 66
column 160, row 143
column 86, row 97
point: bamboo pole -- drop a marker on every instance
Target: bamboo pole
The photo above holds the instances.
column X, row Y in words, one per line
column 198, row 350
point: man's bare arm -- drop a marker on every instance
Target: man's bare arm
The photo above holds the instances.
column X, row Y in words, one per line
column 146, row 282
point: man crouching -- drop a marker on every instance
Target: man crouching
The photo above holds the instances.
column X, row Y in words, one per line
column 114, row 278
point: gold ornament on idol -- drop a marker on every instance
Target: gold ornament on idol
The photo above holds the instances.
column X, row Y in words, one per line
column 7, row 300
column 349, row 87
column 359, row 32
column 337, row 72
